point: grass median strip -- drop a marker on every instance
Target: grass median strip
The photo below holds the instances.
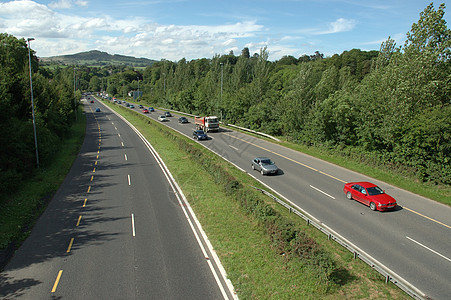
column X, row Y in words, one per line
column 245, row 231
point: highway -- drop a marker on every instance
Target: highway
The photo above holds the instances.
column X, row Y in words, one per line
column 118, row 228
column 413, row 241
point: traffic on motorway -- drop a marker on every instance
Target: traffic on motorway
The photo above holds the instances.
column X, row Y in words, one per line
column 376, row 217
column 366, row 193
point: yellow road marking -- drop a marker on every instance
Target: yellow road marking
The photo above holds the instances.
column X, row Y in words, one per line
column 78, row 222
column 89, row 188
column 55, row 285
column 429, row 218
column 70, row 245
column 84, row 203
column 94, row 170
column 290, row 159
column 92, row 177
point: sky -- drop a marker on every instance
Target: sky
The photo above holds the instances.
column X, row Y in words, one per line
column 193, row 29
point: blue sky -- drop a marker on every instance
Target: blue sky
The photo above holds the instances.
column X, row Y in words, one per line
column 191, row 29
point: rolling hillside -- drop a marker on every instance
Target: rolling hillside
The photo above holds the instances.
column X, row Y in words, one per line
column 96, row 58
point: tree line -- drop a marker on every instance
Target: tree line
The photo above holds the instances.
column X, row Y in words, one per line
column 54, row 106
column 389, row 107
column 386, row 108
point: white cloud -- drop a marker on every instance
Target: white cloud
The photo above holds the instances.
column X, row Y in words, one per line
column 66, row 4
column 340, row 25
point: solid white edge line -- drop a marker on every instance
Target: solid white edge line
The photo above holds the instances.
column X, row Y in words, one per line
column 178, row 191
column 315, row 188
column 133, row 225
column 433, row 251
column 229, row 283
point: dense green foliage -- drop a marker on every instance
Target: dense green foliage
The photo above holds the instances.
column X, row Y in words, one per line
column 390, row 108
column 54, row 110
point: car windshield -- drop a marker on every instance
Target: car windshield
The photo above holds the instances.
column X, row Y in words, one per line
column 200, row 132
column 375, row 190
column 266, row 162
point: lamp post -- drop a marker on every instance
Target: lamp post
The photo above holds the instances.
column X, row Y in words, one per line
column 75, row 97
column 222, row 76
column 32, row 104
column 138, row 89
column 164, row 85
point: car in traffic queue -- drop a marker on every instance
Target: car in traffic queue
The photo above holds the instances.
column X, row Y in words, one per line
column 145, row 110
column 162, row 118
column 183, row 120
column 199, row 135
column 151, row 109
column 97, row 109
column 369, row 194
column 141, row 106
column 132, row 106
column 264, row 165
column 92, row 101
column 167, row 114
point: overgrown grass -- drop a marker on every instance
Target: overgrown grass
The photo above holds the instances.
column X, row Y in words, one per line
column 21, row 210
column 256, row 267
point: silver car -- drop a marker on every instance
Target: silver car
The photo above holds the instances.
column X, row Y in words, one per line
column 265, row 165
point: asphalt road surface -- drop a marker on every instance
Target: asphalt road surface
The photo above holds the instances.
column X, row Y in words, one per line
column 413, row 241
column 118, row 228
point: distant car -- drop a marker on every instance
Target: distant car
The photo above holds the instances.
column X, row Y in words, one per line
column 167, row 114
column 127, row 104
column 162, row 118
column 200, row 135
column 119, row 102
column 370, row 195
column 183, row 120
column 141, row 106
column 145, row 110
column 92, row 101
column 97, row 109
column 132, row 106
column 264, row 165
column 151, row 109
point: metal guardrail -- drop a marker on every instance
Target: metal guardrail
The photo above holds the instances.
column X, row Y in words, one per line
column 389, row 275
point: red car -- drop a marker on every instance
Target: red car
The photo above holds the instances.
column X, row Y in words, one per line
column 145, row 110
column 370, row 195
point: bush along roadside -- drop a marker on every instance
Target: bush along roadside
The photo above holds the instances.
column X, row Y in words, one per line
column 287, row 239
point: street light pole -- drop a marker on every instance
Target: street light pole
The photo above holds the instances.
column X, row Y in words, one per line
column 75, row 99
column 222, row 76
column 138, row 89
column 32, row 104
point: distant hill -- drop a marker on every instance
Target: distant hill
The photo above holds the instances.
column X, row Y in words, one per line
column 96, row 58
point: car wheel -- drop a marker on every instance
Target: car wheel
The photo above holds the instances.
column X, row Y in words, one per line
column 372, row 206
column 349, row 195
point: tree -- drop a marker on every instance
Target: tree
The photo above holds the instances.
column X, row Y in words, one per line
column 245, row 53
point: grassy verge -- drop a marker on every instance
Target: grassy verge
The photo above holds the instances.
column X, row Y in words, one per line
column 439, row 193
column 23, row 208
column 255, row 262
